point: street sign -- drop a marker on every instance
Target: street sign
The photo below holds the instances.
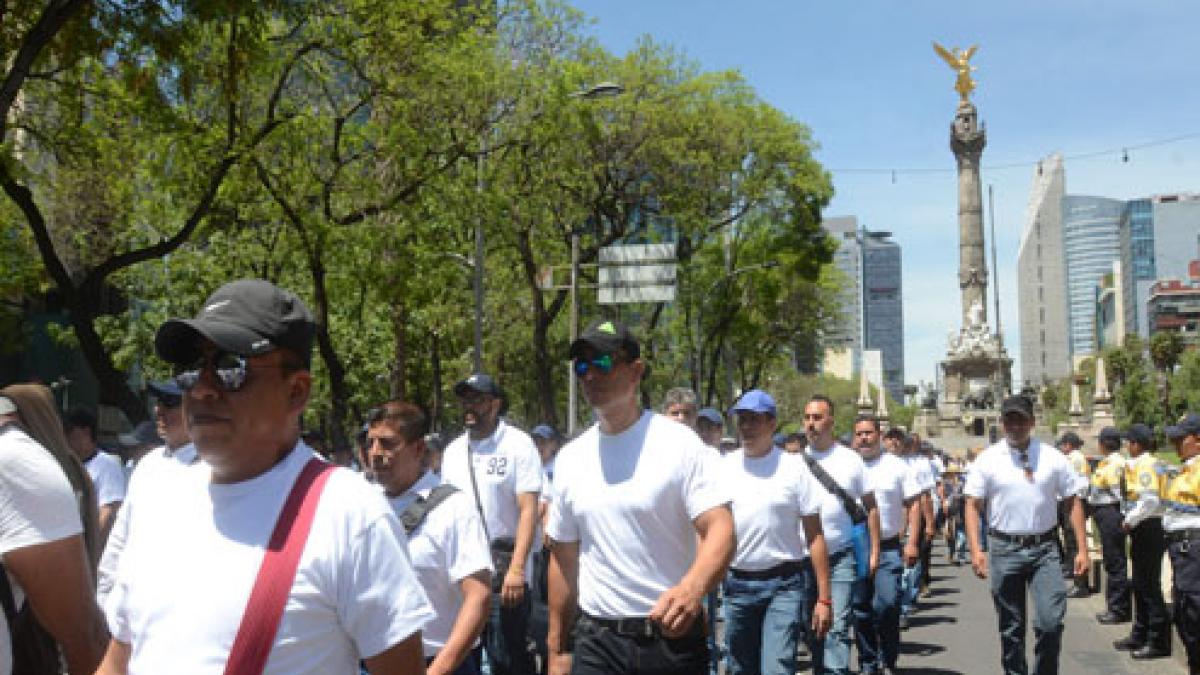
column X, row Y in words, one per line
column 637, row 273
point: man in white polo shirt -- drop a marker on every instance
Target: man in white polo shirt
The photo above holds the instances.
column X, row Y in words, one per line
column 877, row 600
column 849, row 473
column 498, row 466
column 1022, row 481
column 774, row 497
column 447, row 545
column 630, row 497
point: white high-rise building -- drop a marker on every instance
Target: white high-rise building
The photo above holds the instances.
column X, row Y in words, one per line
column 1043, row 316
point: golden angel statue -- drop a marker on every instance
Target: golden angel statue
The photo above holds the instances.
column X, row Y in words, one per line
column 959, row 60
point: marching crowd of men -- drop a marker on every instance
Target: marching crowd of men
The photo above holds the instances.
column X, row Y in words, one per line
column 234, row 548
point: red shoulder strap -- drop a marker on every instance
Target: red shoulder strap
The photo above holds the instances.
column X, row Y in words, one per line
column 264, row 609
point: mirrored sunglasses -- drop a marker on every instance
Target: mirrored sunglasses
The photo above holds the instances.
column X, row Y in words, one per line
column 230, row 370
column 603, row 363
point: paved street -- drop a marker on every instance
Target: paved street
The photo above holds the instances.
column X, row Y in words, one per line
column 954, row 633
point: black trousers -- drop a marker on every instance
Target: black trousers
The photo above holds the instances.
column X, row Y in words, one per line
column 1112, row 544
column 599, row 650
column 1185, row 564
column 1150, row 622
column 1067, row 549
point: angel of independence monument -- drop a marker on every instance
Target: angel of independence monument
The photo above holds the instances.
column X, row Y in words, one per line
column 976, row 373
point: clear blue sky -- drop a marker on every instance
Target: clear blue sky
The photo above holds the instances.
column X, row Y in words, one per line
column 1069, row 76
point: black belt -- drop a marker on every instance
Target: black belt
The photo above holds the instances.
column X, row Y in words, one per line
column 1023, row 539
column 886, row 544
column 781, row 570
column 1176, row 536
column 632, row 627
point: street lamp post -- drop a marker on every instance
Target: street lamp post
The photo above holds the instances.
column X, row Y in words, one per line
column 600, row 90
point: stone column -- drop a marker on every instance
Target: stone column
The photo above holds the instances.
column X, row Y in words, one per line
column 967, row 141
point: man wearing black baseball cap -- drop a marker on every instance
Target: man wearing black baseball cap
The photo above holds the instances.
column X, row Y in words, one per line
column 631, row 494
column 1022, row 481
column 198, row 537
column 1150, row 635
column 498, row 465
column 1104, row 503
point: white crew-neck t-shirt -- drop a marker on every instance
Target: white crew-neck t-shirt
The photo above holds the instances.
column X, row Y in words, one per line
column 630, row 500
column 847, row 469
column 194, row 550
column 893, row 482
column 770, row 494
column 108, row 476
column 447, row 547
column 1016, row 504
column 37, row 506
column 506, row 464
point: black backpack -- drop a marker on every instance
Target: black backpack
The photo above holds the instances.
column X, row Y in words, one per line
column 34, row 651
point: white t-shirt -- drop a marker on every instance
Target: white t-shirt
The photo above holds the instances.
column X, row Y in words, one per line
column 892, row 480
column 147, row 471
column 37, row 506
column 630, row 500
column 506, row 464
column 108, row 476
column 922, row 471
column 447, row 547
column 847, row 469
column 194, row 550
column 1015, row 504
column 770, row 495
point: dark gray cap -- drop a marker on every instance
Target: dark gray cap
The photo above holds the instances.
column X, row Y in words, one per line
column 1017, row 404
column 1139, row 433
column 248, row 317
column 480, row 382
column 607, row 337
column 1187, row 426
column 1110, row 435
column 1071, row 438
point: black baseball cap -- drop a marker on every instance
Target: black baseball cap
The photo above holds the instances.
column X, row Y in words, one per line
column 480, row 382
column 1187, row 426
column 607, row 337
column 1071, row 438
column 1110, row 435
column 1017, row 404
column 1139, row 433
column 248, row 317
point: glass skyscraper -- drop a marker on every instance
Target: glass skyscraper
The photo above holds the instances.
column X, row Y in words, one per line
column 1091, row 242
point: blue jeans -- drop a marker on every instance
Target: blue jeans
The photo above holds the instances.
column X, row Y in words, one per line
column 762, row 624
column 832, row 655
column 877, row 613
column 713, row 605
column 910, row 586
column 1016, row 570
column 505, row 638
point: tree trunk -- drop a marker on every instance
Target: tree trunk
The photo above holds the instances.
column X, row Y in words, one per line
column 114, row 389
column 338, row 393
column 543, row 365
column 398, row 387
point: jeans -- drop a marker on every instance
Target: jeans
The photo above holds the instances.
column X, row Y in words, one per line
column 960, row 540
column 599, row 650
column 877, row 613
column 762, row 624
column 712, row 605
column 910, row 581
column 505, row 638
column 832, row 655
column 1015, row 570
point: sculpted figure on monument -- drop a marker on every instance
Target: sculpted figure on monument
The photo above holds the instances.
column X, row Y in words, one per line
column 975, row 314
column 960, row 61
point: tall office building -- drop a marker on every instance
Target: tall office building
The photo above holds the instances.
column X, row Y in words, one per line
column 1159, row 238
column 883, row 310
column 1091, row 243
column 871, row 302
column 1041, row 279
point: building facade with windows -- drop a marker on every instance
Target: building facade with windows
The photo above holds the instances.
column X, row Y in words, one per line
column 1042, row 310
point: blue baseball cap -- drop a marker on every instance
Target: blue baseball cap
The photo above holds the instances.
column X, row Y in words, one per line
column 710, row 415
column 756, row 401
column 1188, row 425
column 544, row 431
column 780, row 439
column 167, row 392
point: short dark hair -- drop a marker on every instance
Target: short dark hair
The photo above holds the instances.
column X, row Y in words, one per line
column 408, row 419
column 867, row 417
column 822, row 398
column 77, row 418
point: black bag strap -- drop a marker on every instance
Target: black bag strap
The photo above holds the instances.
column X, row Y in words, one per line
column 7, row 598
column 475, row 489
column 857, row 514
column 416, row 512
